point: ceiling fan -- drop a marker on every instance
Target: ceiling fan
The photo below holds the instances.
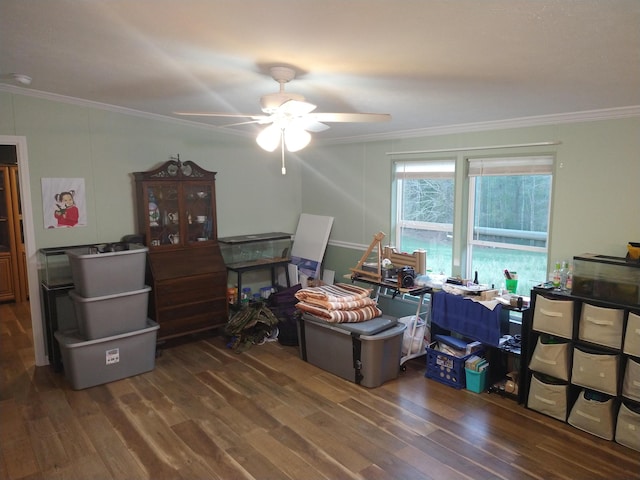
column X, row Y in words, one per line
column 289, row 117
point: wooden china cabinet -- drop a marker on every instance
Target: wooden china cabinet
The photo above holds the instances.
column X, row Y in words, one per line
column 13, row 264
column 185, row 269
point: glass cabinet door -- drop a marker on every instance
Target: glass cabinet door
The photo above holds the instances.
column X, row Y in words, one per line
column 5, row 231
column 200, row 212
column 164, row 214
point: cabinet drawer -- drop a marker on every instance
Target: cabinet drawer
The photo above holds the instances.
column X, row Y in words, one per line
column 632, row 335
column 631, row 382
column 189, row 290
column 553, row 316
column 594, row 416
column 628, row 427
column 598, row 371
column 191, row 318
column 601, row 325
column 548, row 398
column 551, row 359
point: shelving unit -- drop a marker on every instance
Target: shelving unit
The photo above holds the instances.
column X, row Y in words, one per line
column 584, row 362
column 476, row 322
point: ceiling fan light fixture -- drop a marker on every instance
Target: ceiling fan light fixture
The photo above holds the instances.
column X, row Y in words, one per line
column 269, row 138
column 296, row 139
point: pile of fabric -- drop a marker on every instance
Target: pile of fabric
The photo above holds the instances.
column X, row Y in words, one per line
column 339, row 303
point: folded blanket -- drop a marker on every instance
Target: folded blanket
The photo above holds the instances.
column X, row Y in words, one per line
column 340, row 292
column 341, row 316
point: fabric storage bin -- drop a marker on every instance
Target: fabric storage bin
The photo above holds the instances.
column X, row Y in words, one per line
column 596, row 370
column 628, row 427
column 551, row 358
column 110, row 314
column 548, row 396
column 553, row 316
column 631, row 381
column 601, row 325
column 632, row 335
column 594, row 413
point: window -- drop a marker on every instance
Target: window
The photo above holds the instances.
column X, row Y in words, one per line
column 509, row 205
column 424, row 210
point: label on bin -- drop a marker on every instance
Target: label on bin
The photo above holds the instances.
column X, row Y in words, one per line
column 444, row 361
column 113, row 356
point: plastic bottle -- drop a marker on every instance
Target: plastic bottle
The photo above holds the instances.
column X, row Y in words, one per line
column 569, row 282
column 564, row 270
column 556, row 279
column 245, row 296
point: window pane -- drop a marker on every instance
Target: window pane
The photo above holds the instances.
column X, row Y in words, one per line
column 510, row 223
column 490, row 263
column 425, row 219
column 512, row 209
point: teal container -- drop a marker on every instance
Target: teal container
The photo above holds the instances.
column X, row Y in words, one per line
column 476, row 381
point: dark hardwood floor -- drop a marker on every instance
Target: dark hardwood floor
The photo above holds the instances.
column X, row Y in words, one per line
column 207, row 412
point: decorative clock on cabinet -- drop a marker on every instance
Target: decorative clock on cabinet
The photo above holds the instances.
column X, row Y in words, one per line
column 176, row 205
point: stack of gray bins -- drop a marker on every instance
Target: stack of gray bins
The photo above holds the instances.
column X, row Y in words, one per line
column 114, row 338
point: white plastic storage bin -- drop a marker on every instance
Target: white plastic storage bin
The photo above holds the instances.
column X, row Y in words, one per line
column 548, row 398
column 553, row 316
column 628, row 427
column 97, row 274
column 111, row 314
column 551, row 359
column 93, row 362
column 601, row 325
column 594, row 415
column 632, row 335
column 598, row 371
column 367, row 353
column 631, row 381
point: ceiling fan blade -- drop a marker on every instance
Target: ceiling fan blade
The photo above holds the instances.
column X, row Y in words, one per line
column 213, row 114
column 296, row 108
column 309, row 124
column 242, row 123
column 351, row 117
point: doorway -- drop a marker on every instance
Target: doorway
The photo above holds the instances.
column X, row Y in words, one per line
column 30, row 253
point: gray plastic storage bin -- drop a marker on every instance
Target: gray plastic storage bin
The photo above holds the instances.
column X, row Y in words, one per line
column 96, row 274
column 367, row 353
column 110, row 314
column 93, row 362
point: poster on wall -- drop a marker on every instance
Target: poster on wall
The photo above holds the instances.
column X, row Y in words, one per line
column 63, row 202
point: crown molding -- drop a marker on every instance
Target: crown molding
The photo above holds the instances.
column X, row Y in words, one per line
column 54, row 97
column 553, row 119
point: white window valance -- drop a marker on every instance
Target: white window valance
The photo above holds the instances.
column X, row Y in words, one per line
column 531, row 165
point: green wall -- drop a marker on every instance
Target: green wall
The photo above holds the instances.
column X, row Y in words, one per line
column 596, row 194
column 595, row 207
column 596, row 200
column 104, row 147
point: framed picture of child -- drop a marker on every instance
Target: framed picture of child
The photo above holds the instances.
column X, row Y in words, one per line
column 63, row 202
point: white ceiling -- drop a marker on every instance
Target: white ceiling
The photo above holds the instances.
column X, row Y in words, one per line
column 428, row 63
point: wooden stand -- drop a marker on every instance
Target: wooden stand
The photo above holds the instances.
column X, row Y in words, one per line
column 377, row 239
